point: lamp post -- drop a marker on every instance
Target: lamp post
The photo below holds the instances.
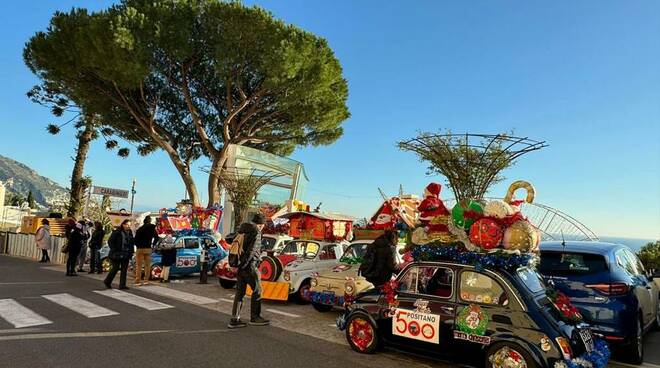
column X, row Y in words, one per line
column 132, row 195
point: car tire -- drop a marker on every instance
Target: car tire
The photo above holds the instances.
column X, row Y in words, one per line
column 303, row 290
column 270, row 269
column 322, row 307
column 226, row 284
column 635, row 351
column 362, row 334
column 106, row 264
column 156, row 272
column 510, row 350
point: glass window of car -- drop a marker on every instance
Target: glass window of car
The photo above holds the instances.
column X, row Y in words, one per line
column 567, row 263
column 482, row 289
column 531, row 279
column 210, row 243
column 624, row 261
column 635, row 263
column 328, row 252
column 267, row 243
column 192, row 243
column 428, row 280
column 355, row 251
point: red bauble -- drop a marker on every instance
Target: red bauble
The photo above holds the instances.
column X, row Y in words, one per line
column 486, row 233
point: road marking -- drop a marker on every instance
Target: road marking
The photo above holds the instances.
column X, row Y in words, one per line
column 133, row 299
column 282, row 313
column 19, row 316
column 80, row 306
column 31, row 282
column 226, row 300
column 178, row 295
column 22, row 330
column 68, row 335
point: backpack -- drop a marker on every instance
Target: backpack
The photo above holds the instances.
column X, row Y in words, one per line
column 367, row 266
column 236, row 250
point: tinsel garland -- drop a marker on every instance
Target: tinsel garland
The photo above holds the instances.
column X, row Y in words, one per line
column 351, row 260
column 498, row 259
column 192, row 232
column 597, row 358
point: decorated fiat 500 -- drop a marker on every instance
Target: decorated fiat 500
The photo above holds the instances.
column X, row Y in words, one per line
column 441, row 308
column 314, row 256
column 339, row 283
column 189, row 250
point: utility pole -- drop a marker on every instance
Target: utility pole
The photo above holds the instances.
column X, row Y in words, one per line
column 132, row 195
column 89, row 195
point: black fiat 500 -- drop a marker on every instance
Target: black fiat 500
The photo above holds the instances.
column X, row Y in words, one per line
column 445, row 308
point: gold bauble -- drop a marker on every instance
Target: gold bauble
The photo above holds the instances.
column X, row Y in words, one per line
column 521, row 236
column 498, row 209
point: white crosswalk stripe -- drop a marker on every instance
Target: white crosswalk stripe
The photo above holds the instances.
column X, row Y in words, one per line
column 81, row 306
column 179, row 295
column 133, row 299
column 20, row 316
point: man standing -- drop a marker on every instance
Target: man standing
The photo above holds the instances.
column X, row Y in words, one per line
column 77, row 238
column 379, row 262
column 95, row 245
column 82, row 255
column 145, row 236
column 121, row 251
column 248, row 273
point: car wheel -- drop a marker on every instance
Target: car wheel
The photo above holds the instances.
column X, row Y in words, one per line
column 361, row 334
column 322, row 307
column 227, row 284
column 270, row 269
column 636, row 348
column 506, row 354
column 105, row 264
column 156, row 271
column 302, row 295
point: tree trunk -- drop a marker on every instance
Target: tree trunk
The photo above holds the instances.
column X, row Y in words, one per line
column 217, row 166
column 77, row 183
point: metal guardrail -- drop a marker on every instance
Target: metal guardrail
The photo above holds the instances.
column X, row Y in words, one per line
column 24, row 245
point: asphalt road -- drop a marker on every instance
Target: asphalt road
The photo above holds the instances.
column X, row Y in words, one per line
column 115, row 333
column 65, row 321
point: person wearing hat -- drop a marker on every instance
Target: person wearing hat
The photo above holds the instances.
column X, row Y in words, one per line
column 248, row 273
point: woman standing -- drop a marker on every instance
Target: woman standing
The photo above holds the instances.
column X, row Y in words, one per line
column 121, row 251
column 95, row 244
column 42, row 238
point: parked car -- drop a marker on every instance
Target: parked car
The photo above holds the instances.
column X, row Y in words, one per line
column 448, row 309
column 333, row 285
column 189, row 250
column 313, row 256
column 609, row 286
column 271, row 268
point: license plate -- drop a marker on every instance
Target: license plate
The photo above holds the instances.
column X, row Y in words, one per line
column 587, row 339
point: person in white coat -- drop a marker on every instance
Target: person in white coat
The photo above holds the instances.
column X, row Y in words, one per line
column 42, row 238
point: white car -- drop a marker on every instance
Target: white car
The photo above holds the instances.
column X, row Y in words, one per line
column 314, row 256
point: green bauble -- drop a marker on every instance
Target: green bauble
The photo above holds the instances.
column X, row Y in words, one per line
column 458, row 211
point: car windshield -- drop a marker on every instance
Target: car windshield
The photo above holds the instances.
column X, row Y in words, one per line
column 355, row 252
column 268, row 243
column 301, row 248
column 568, row 263
column 531, row 279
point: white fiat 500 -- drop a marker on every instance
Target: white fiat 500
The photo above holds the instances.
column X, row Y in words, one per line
column 314, row 256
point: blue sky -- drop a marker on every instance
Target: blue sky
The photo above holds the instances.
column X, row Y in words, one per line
column 584, row 76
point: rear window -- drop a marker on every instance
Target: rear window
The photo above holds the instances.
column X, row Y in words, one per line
column 567, row 263
column 531, row 279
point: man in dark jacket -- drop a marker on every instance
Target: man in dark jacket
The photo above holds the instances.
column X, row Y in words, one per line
column 76, row 239
column 121, row 251
column 145, row 237
column 248, row 274
column 95, row 245
column 379, row 263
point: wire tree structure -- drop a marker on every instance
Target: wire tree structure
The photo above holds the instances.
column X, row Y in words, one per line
column 242, row 187
column 470, row 162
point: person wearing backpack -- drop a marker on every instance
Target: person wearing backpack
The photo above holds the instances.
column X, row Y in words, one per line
column 379, row 263
column 245, row 254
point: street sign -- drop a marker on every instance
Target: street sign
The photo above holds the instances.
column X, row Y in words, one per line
column 119, row 193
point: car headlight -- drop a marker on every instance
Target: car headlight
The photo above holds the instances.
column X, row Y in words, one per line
column 287, row 276
column 313, row 283
column 349, row 288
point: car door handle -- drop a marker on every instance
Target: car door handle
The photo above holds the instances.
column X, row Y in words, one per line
column 447, row 309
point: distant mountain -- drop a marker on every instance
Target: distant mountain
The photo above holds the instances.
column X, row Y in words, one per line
column 44, row 190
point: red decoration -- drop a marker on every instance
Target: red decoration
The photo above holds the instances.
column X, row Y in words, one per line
column 389, row 290
column 566, row 309
column 486, row 233
column 361, row 333
column 432, row 207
